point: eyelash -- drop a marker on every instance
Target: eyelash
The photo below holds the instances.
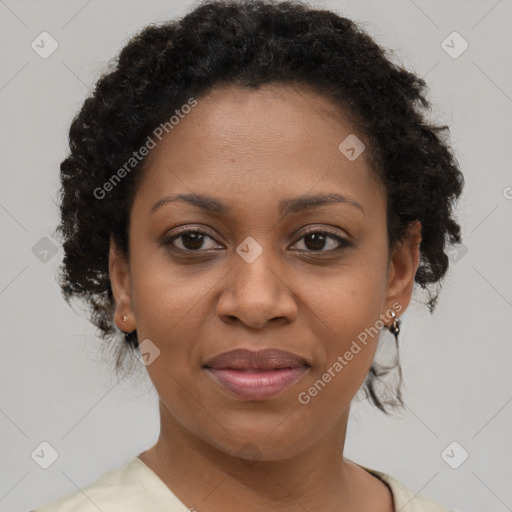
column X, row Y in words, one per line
column 343, row 242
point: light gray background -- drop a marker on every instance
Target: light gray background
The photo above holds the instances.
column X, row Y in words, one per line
column 456, row 363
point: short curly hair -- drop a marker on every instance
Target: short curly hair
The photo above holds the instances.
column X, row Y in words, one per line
column 248, row 44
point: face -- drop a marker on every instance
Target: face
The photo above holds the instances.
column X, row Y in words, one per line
column 247, row 263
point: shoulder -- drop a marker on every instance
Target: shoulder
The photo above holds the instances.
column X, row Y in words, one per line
column 406, row 500
column 132, row 487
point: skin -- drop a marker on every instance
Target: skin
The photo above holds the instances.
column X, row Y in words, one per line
column 251, row 149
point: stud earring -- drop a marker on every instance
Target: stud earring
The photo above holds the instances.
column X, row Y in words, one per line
column 125, row 318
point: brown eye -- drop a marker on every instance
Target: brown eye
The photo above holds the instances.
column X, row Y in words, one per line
column 191, row 240
column 316, row 241
column 320, row 241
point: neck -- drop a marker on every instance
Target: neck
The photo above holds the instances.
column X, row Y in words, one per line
column 207, row 478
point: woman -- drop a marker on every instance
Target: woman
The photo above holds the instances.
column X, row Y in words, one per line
column 250, row 196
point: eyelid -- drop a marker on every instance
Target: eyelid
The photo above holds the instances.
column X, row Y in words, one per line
column 193, row 229
column 322, row 229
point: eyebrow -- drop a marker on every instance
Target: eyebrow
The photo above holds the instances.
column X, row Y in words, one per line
column 286, row 206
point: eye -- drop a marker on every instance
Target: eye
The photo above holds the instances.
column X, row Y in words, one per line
column 192, row 240
column 316, row 239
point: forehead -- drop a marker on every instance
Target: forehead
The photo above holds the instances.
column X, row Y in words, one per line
column 301, row 100
column 277, row 137
column 292, row 113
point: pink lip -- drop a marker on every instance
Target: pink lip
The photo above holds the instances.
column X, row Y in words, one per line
column 257, row 384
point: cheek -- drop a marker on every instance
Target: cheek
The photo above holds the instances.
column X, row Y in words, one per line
column 346, row 343
column 346, row 310
column 166, row 297
column 170, row 312
column 350, row 300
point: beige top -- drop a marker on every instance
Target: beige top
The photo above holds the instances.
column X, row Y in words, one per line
column 135, row 487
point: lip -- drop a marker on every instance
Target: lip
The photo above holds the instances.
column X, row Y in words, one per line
column 257, row 385
column 267, row 359
column 259, row 375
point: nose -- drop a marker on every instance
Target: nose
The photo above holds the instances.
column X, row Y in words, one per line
column 257, row 293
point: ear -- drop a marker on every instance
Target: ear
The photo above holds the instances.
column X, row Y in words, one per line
column 121, row 288
column 404, row 262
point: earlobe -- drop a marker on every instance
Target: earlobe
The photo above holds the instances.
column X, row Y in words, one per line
column 121, row 289
column 404, row 263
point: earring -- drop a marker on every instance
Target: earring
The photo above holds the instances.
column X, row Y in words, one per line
column 394, row 328
column 125, row 318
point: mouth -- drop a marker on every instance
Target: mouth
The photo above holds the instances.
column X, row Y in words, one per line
column 256, row 375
